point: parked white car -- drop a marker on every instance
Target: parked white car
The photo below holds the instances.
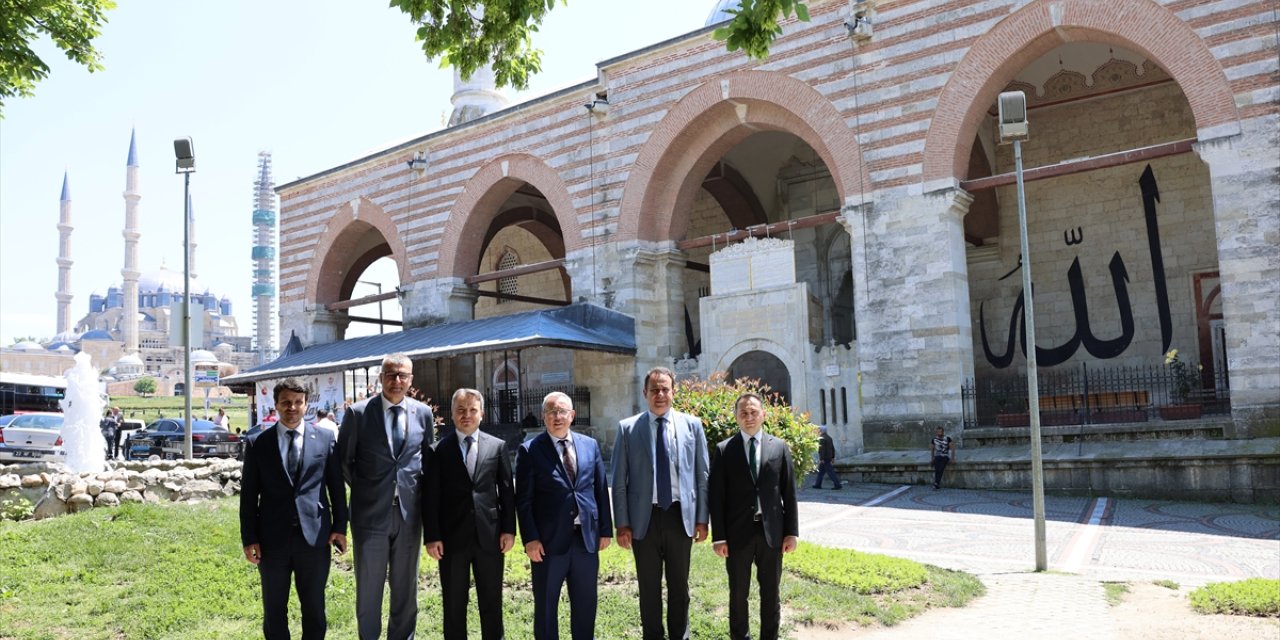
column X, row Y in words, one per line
column 32, row 437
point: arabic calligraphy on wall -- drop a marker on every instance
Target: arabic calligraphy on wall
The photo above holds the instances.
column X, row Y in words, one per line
column 1084, row 334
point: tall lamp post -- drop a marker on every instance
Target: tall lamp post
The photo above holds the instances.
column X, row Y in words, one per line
column 186, row 165
column 1013, row 128
column 381, row 326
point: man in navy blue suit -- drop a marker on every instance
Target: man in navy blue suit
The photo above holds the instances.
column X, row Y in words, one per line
column 293, row 505
column 562, row 506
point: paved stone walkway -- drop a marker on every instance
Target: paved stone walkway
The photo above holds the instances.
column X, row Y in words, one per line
column 1089, row 540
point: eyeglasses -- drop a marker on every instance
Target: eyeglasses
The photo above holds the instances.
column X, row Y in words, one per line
column 392, row 375
column 558, row 413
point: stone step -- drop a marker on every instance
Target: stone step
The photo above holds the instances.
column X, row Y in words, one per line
column 1209, row 429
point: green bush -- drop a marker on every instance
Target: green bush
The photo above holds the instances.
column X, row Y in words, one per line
column 712, row 400
column 1252, row 597
column 16, row 508
column 862, row 572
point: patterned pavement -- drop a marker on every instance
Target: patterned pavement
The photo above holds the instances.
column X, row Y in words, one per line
column 1089, row 541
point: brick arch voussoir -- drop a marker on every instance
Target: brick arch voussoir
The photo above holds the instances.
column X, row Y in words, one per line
column 482, row 197
column 996, row 57
column 708, row 121
column 333, row 257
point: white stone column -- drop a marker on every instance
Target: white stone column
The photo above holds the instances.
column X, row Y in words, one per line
column 1246, row 199
column 911, row 304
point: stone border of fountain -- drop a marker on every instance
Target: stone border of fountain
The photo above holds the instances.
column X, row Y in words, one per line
column 55, row 491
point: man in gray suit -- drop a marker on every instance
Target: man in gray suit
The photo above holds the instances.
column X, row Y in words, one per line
column 381, row 447
column 660, row 501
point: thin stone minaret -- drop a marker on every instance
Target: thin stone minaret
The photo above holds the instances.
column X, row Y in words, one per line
column 130, row 273
column 264, row 261
column 64, row 258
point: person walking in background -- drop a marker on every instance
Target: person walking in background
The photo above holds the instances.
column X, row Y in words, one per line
column 222, row 420
column 942, row 450
column 469, row 516
column 826, row 460
column 109, row 426
column 292, row 508
column 380, row 443
column 752, row 493
column 562, row 506
column 325, row 422
column 660, row 469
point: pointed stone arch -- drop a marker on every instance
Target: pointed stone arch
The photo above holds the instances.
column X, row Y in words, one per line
column 711, row 120
column 1030, row 32
column 478, row 207
column 338, row 252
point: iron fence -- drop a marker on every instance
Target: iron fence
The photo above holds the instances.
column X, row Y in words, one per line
column 1096, row 395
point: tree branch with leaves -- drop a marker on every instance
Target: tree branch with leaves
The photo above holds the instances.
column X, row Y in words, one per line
column 71, row 25
column 471, row 34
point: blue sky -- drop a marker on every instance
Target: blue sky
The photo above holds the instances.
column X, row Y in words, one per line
column 316, row 83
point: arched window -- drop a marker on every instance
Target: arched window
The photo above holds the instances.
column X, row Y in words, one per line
column 507, row 286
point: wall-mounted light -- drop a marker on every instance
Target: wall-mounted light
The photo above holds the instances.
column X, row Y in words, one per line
column 418, row 164
column 859, row 25
column 598, row 107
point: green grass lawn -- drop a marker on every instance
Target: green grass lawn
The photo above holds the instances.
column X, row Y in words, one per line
column 177, row 571
column 154, row 407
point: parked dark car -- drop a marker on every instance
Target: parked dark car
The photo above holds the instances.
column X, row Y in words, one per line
column 164, row 438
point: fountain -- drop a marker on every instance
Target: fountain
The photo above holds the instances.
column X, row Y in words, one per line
column 82, row 411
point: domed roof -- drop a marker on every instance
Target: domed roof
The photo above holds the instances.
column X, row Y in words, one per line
column 200, row 356
column 27, row 345
column 60, row 346
column 96, row 334
column 164, row 279
column 129, row 359
column 65, row 348
column 720, row 12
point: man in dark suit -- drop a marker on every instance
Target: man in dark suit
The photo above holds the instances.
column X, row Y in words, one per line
column 292, row 507
column 469, row 516
column 660, row 501
column 753, row 515
column 380, row 442
column 826, row 460
column 562, row 503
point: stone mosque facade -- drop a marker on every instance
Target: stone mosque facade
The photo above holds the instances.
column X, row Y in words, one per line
column 840, row 219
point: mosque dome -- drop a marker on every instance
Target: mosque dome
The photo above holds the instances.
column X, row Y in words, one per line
column 201, row 356
column 129, row 359
column 64, row 349
column 96, row 334
column 27, row 345
column 164, row 279
column 720, row 12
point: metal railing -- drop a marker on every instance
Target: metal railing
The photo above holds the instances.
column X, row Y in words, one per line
column 1096, row 395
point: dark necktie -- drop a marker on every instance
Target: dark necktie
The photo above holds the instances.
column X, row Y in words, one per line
column 295, row 469
column 397, row 433
column 568, row 462
column 468, row 457
column 663, row 466
column 751, row 460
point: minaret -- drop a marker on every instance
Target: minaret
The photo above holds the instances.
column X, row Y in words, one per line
column 476, row 97
column 130, row 273
column 264, row 261
column 64, row 258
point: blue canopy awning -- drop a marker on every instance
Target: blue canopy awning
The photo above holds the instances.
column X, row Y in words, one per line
column 577, row 326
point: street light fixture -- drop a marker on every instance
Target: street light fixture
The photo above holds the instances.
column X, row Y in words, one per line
column 1013, row 128
column 381, row 326
column 186, row 165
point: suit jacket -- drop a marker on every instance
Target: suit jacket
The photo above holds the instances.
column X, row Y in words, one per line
column 268, row 498
column 374, row 472
column 461, row 510
column 633, row 456
column 733, row 496
column 546, row 502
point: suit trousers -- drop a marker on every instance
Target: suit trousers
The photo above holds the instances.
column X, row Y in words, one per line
column 768, row 563
column 579, row 568
column 456, row 567
column 309, row 568
column 399, row 550
column 665, row 544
